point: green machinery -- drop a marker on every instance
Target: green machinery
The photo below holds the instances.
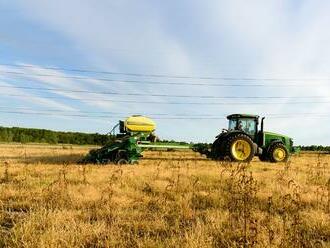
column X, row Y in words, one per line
column 244, row 139
column 136, row 134
column 124, row 149
column 240, row 142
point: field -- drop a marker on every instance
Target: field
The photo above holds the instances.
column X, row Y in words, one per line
column 171, row 199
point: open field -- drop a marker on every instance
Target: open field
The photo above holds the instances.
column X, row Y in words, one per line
column 171, row 199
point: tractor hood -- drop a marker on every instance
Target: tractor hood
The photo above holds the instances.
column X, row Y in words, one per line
column 277, row 135
column 270, row 137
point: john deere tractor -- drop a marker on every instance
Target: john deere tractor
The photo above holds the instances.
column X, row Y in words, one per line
column 244, row 139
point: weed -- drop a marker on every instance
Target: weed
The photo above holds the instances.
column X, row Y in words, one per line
column 6, row 175
column 240, row 191
column 50, row 202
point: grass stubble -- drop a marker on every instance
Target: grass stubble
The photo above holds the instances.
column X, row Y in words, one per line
column 171, row 199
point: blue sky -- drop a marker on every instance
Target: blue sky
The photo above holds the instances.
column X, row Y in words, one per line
column 234, row 38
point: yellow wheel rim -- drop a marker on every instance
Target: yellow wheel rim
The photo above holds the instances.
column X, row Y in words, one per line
column 241, row 150
column 279, row 154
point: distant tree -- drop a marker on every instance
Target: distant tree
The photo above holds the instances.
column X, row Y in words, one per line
column 52, row 138
column 25, row 135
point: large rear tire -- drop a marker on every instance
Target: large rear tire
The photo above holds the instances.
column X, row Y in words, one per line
column 278, row 153
column 239, row 148
column 218, row 149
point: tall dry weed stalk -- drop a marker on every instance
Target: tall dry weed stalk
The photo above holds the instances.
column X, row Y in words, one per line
column 108, row 190
column 316, row 172
column 6, row 174
column 295, row 231
column 82, row 171
column 56, row 195
column 240, row 190
column 290, row 213
column 269, row 220
column 328, row 194
column 282, row 176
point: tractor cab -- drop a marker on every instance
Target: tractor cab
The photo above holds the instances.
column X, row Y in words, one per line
column 245, row 123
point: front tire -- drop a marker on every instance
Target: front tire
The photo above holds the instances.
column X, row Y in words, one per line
column 278, row 153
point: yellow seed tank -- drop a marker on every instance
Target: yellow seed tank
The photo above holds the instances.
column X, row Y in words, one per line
column 138, row 123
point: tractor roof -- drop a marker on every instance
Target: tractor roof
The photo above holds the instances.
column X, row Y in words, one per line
column 234, row 116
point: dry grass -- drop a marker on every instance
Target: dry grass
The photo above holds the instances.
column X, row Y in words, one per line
column 171, row 199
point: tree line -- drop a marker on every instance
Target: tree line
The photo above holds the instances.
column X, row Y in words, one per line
column 31, row 135
column 315, row 148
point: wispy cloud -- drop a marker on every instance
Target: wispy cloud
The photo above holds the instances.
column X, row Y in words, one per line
column 273, row 39
column 25, row 97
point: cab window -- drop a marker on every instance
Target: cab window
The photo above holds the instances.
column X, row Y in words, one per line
column 248, row 126
column 232, row 125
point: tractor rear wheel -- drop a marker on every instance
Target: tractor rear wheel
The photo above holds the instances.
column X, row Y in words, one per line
column 239, row 148
column 218, row 148
column 278, row 153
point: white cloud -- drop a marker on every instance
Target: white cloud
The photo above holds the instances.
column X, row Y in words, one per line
column 281, row 39
column 60, row 80
column 22, row 96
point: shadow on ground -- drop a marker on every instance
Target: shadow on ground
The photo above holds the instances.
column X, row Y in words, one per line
column 47, row 159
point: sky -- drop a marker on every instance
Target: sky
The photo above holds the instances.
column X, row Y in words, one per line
column 71, row 65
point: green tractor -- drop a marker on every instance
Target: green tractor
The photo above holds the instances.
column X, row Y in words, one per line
column 244, row 139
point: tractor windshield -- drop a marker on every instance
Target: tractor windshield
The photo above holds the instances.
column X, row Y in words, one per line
column 244, row 124
column 232, row 125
